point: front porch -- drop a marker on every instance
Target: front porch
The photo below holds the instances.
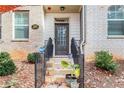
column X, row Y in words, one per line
column 49, row 71
column 61, row 24
column 62, row 38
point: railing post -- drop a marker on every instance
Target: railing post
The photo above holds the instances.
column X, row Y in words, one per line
column 36, row 73
column 49, row 49
column 38, row 65
column 74, row 51
column 78, row 58
column 81, row 78
column 43, row 67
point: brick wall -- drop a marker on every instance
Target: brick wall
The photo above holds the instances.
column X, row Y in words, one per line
column 96, row 34
column 19, row 50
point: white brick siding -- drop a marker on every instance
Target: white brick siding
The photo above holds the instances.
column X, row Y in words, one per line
column 96, row 34
column 74, row 25
column 35, row 36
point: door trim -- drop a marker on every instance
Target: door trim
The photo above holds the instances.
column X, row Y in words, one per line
column 67, row 38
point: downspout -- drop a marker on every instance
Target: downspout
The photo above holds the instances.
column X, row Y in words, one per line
column 83, row 42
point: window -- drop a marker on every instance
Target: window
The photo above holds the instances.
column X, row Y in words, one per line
column 21, row 25
column 0, row 27
column 116, row 20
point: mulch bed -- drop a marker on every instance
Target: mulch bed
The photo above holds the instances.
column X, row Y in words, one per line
column 95, row 77
column 23, row 78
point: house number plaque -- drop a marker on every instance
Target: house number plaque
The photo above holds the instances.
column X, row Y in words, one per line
column 35, row 26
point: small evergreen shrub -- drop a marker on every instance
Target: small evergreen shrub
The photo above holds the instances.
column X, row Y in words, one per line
column 4, row 55
column 105, row 61
column 31, row 57
column 7, row 65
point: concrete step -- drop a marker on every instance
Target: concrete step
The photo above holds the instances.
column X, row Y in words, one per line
column 50, row 71
column 59, row 66
column 59, row 78
column 49, row 64
column 61, row 56
column 51, row 60
column 55, row 72
column 49, row 79
column 54, row 78
column 58, row 60
column 62, row 71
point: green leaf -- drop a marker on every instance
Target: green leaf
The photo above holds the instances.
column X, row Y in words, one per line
column 65, row 64
column 77, row 72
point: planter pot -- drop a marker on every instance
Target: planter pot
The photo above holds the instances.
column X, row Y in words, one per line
column 71, row 81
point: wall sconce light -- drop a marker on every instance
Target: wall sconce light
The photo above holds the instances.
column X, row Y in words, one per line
column 49, row 8
column 62, row 8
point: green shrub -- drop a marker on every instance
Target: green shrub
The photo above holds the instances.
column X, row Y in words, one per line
column 31, row 57
column 4, row 55
column 7, row 67
column 105, row 61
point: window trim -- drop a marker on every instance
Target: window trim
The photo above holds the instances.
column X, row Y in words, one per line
column 110, row 19
column 13, row 25
column 114, row 36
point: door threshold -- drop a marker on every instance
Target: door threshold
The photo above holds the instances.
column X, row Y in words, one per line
column 60, row 56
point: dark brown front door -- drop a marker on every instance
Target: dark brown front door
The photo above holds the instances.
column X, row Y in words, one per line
column 61, row 39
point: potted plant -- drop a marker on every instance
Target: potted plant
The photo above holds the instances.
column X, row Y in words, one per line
column 71, row 79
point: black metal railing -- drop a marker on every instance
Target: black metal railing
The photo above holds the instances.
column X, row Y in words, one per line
column 40, row 65
column 74, row 51
column 78, row 58
column 49, row 49
column 39, row 70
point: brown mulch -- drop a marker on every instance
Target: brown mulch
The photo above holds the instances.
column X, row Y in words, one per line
column 55, row 85
column 95, row 77
column 23, row 78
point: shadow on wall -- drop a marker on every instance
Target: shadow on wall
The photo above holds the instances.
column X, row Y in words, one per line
column 19, row 55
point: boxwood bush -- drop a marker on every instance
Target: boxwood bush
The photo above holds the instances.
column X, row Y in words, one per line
column 105, row 61
column 7, row 65
column 31, row 58
column 4, row 55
